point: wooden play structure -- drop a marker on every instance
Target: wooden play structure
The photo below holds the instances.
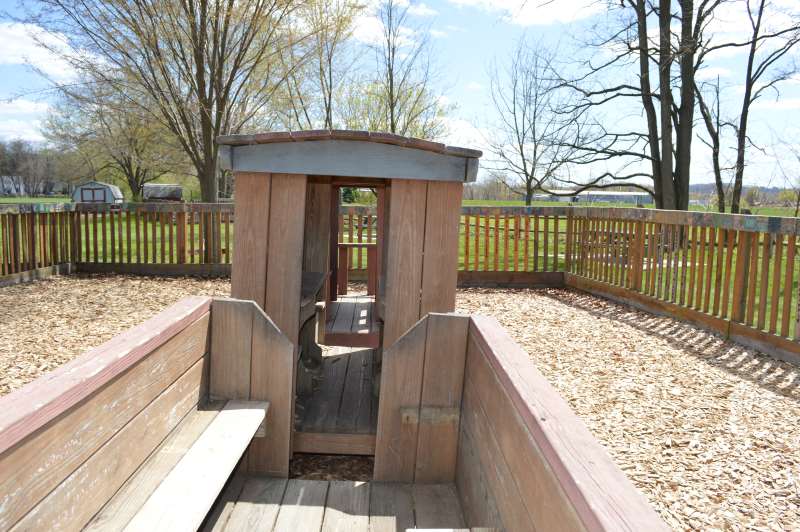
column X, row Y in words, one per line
column 190, row 420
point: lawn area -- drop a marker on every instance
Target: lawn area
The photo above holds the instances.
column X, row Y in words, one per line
column 36, row 199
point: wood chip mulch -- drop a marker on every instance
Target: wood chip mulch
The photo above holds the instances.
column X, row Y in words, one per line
column 49, row 322
column 708, row 430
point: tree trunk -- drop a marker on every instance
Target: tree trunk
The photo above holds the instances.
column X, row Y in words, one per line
column 686, row 110
column 664, row 69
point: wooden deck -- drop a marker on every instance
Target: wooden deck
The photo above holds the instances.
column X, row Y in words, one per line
column 340, row 416
column 351, row 321
column 278, row 505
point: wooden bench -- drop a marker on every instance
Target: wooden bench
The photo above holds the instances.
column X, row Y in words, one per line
column 179, row 483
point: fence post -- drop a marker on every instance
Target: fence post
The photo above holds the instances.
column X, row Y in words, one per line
column 742, row 274
column 636, row 258
column 568, row 250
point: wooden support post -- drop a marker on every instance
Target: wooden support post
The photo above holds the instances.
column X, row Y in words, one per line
column 372, row 270
column 345, row 254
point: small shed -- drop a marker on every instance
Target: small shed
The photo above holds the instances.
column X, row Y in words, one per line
column 97, row 192
column 159, row 192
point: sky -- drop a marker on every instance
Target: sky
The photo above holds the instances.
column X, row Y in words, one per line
column 466, row 37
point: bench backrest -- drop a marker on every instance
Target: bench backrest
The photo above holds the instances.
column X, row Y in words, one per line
column 70, row 439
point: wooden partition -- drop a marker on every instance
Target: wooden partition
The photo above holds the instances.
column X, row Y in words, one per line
column 252, row 359
column 70, row 439
column 461, row 402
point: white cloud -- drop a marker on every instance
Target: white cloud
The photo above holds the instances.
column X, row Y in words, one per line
column 711, row 73
column 422, row 10
column 19, row 46
column 22, row 107
column 474, row 86
column 536, row 12
column 368, row 29
column 438, row 34
column 13, row 129
column 784, row 104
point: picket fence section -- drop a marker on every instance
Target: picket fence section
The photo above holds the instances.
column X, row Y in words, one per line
column 736, row 269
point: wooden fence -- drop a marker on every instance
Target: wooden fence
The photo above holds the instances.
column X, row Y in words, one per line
column 737, row 275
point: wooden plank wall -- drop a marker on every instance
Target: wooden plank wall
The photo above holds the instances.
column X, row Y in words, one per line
column 252, row 359
column 422, row 253
column 525, row 461
column 117, row 401
column 420, row 401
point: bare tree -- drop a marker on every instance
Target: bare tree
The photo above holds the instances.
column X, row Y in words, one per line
column 766, row 48
column 710, row 111
column 535, row 138
column 662, row 143
column 402, row 89
column 204, row 68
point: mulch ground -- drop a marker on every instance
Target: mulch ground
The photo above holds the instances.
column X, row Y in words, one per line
column 708, row 430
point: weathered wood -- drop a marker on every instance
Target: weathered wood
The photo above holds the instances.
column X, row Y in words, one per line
column 249, row 272
column 404, row 267
column 436, row 506
column 303, row 506
column 272, row 379
column 396, row 443
column 183, row 499
column 440, row 252
column 285, row 257
column 391, row 507
column 333, row 443
column 231, row 348
column 258, row 505
column 137, row 489
column 347, row 507
column 598, row 492
column 79, row 496
column 443, row 378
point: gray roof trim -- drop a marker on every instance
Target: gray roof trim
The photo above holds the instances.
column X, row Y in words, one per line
column 348, row 158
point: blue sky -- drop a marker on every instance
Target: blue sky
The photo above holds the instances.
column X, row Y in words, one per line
column 466, row 36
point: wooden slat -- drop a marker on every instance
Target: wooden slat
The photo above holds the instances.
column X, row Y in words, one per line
column 402, row 371
column 443, row 377
column 788, row 288
column 391, row 507
column 231, row 345
column 303, row 506
column 404, row 269
column 440, row 252
column 272, row 379
column 252, row 206
column 79, row 496
column 183, row 499
column 764, row 285
column 347, row 507
column 133, row 494
column 776, row 284
column 751, row 279
column 285, row 257
column 258, row 505
column 436, row 506
column 467, row 240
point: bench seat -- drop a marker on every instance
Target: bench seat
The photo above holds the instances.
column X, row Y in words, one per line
column 178, row 484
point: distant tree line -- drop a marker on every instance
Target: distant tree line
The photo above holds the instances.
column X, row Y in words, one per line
column 29, row 169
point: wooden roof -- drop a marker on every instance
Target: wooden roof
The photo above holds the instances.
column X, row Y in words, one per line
column 347, row 153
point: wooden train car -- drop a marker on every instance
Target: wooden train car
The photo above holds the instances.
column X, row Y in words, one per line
column 191, row 419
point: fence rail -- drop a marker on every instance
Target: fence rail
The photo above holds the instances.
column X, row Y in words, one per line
column 732, row 272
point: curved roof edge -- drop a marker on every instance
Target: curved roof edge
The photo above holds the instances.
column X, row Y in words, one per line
column 346, row 134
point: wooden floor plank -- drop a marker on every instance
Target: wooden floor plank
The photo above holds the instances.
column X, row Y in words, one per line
column 223, row 508
column 303, row 506
column 391, row 507
column 133, row 494
column 355, row 410
column 437, row 506
column 347, row 507
column 323, row 406
column 258, row 504
column 185, row 496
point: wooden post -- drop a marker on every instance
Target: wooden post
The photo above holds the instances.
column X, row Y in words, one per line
column 345, row 254
column 372, row 270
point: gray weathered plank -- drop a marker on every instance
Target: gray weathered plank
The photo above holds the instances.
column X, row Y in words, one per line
column 303, row 506
column 347, row 507
column 391, row 507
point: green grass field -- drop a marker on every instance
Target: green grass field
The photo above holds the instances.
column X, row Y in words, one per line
column 35, row 199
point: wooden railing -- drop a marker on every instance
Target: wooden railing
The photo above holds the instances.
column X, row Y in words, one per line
column 735, row 274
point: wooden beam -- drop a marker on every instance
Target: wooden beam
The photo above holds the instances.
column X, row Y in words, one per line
column 249, row 271
column 440, row 254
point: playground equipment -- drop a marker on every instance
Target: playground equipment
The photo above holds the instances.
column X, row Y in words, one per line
column 146, row 431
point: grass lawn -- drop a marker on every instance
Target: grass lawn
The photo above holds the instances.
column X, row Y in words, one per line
column 36, row 199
